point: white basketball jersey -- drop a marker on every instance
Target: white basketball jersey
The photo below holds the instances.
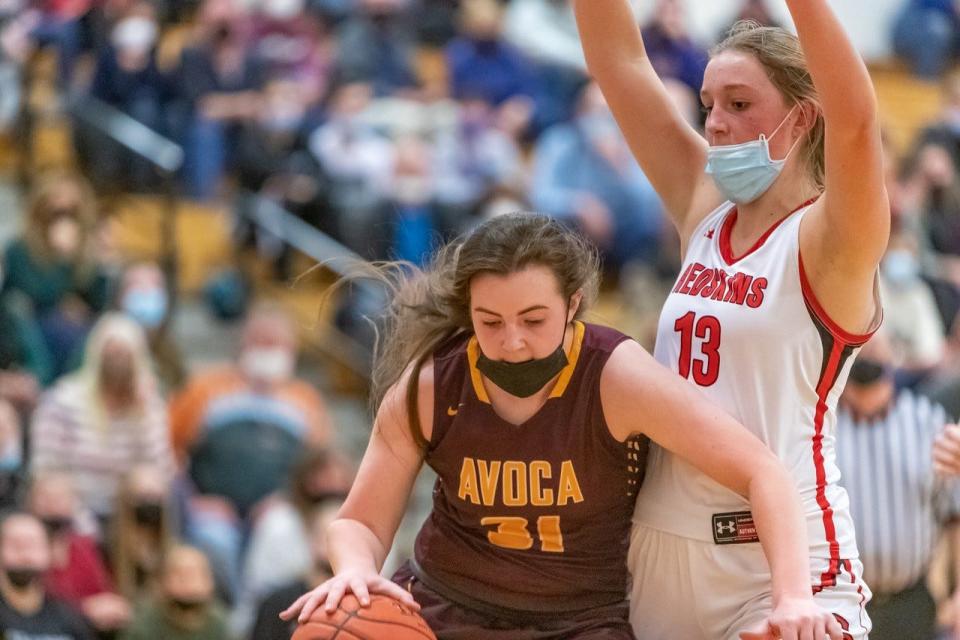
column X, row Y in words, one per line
column 750, row 334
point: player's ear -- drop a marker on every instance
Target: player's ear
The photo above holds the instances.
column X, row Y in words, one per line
column 575, row 301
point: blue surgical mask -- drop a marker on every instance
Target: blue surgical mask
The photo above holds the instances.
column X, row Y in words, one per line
column 147, row 306
column 900, row 267
column 743, row 172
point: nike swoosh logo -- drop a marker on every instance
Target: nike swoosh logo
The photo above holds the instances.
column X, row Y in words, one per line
column 453, row 411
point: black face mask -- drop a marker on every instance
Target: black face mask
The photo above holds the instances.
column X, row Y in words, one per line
column 148, row 514
column 523, row 379
column 22, row 577
column 865, row 371
column 57, row 525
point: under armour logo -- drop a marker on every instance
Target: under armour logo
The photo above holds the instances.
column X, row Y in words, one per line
column 709, row 234
column 726, row 526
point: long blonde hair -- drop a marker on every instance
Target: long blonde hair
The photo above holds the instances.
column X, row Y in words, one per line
column 779, row 53
column 431, row 305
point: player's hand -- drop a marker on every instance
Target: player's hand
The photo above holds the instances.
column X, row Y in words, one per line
column 796, row 619
column 359, row 583
column 946, row 451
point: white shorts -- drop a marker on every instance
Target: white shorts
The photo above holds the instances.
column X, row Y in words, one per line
column 684, row 588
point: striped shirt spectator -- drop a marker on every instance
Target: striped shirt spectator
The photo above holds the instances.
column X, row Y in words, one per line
column 100, row 422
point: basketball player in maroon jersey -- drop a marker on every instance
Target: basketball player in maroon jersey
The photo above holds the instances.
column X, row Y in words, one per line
column 536, row 424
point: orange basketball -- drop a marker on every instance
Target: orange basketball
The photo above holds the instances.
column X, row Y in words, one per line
column 384, row 619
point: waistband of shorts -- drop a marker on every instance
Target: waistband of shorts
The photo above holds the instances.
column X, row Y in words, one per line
column 525, row 616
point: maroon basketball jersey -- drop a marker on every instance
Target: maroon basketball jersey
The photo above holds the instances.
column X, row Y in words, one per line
column 533, row 516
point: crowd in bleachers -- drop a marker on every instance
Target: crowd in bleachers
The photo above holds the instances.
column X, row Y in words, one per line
column 152, row 501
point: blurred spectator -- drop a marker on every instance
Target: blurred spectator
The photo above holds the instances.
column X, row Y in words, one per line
column 899, row 507
column 77, row 573
column 584, row 173
column 927, row 34
column 281, row 539
column 185, row 607
column 358, row 160
column 910, row 311
column 375, row 46
column 49, row 23
column 480, row 63
column 11, row 456
column 546, row 31
column 142, row 533
column 25, row 362
column 238, row 430
column 751, row 10
column 128, row 79
column 99, row 422
column 274, row 164
column 315, row 570
column 145, row 295
column 26, row 610
column 59, row 265
column 945, row 130
column 670, row 48
column 218, row 84
column 436, row 21
column 928, row 199
column 294, row 47
column 475, row 158
column 411, row 221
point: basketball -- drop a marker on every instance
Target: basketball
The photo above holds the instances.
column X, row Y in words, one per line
column 384, row 619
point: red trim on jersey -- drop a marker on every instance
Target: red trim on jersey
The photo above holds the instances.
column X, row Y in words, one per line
column 851, row 339
column 863, row 598
column 827, row 380
column 726, row 230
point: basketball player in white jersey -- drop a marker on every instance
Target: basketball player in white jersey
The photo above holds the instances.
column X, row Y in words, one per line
column 783, row 218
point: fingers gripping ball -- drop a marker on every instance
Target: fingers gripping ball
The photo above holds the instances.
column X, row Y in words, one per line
column 384, row 619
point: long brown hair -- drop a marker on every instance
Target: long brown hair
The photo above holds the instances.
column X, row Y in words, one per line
column 781, row 56
column 431, row 305
column 41, row 214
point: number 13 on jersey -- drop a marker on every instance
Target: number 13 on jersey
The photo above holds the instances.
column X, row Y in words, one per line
column 707, row 329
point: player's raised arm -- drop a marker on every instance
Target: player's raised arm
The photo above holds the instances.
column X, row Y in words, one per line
column 361, row 536
column 670, row 152
column 849, row 228
column 681, row 420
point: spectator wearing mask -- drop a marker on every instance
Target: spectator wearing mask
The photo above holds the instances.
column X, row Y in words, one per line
column 185, row 607
column 315, row 570
column 77, row 573
column 127, row 77
column 145, row 295
column 98, row 423
column 238, row 429
column 584, row 173
column 59, row 267
column 910, row 311
column 143, row 531
column 281, row 538
column 26, row 609
column 481, row 63
column 900, row 507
